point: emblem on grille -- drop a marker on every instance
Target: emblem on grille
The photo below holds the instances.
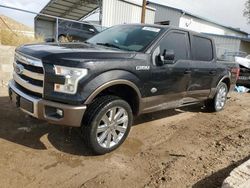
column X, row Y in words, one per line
column 19, row 69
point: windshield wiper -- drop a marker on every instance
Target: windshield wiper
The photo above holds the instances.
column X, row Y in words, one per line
column 109, row 45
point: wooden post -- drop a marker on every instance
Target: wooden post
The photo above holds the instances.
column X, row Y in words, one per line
column 143, row 12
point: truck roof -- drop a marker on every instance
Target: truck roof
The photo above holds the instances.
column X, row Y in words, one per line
column 167, row 27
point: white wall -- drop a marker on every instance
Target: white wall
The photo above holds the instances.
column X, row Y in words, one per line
column 163, row 13
column 203, row 26
column 119, row 12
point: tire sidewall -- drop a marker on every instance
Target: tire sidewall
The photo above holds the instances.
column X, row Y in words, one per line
column 97, row 118
column 216, row 96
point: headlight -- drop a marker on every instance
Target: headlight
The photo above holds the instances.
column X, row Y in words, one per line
column 72, row 77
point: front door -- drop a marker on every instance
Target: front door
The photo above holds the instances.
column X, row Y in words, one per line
column 169, row 80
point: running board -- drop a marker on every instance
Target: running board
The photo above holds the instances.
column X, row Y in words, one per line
column 190, row 103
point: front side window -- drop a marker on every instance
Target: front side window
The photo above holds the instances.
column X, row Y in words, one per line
column 127, row 37
column 202, row 49
column 175, row 42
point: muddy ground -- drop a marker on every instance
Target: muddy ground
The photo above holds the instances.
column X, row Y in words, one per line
column 176, row 148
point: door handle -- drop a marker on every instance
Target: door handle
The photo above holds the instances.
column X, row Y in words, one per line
column 187, row 71
column 212, row 72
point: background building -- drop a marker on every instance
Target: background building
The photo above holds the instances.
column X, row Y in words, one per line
column 229, row 41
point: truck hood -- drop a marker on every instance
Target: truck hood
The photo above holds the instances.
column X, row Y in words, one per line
column 72, row 51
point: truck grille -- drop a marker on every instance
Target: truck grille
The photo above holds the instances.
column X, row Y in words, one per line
column 28, row 74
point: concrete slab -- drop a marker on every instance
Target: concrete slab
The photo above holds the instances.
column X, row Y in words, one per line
column 239, row 177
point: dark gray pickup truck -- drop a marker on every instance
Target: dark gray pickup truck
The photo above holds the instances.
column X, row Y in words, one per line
column 122, row 72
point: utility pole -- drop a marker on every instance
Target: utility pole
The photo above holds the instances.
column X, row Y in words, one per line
column 143, row 12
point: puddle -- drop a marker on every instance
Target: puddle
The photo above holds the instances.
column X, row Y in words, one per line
column 131, row 147
column 64, row 159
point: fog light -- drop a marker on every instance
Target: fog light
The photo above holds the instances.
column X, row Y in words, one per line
column 59, row 112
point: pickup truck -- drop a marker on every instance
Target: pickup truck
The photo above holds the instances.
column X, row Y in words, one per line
column 122, row 72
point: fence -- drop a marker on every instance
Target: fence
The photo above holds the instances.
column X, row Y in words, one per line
column 228, row 54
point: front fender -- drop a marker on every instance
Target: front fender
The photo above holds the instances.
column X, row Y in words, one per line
column 107, row 79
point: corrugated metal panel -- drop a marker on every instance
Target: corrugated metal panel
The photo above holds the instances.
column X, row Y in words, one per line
column 150, row 16
column 166, row 14
column 119, row 12
column 70, row 9
column 224, row 45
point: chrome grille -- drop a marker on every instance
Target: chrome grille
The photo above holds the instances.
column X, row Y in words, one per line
column 28, row 73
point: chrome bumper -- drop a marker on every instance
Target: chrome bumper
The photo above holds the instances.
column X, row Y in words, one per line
column 45, row 110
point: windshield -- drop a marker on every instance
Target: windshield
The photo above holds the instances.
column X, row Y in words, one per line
column 126, row 37
column 248, row 57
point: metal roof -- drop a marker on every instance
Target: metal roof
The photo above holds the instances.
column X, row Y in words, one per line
column 69, row 9
column 230, row 37
column 199, row 17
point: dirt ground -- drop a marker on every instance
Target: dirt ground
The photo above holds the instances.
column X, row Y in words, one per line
column 176, row 148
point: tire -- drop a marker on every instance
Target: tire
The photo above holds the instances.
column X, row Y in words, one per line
column 101, row 130
column 219, row 101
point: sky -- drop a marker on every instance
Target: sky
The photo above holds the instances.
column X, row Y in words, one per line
column 229, row 13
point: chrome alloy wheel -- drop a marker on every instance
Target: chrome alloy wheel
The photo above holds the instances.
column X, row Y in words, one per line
column 112, row 127
column 221, row 98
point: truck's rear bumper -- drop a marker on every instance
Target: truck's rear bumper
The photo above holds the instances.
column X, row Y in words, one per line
column 53, row 112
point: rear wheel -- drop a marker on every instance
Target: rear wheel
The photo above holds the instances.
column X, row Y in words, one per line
column 219, row 101
column 106, row 124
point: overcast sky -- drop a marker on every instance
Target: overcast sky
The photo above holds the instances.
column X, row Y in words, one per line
column 226, row 12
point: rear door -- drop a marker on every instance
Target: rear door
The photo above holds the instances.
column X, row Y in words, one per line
column 203, row 67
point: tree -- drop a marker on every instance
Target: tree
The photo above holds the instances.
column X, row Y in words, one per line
column 247, row 10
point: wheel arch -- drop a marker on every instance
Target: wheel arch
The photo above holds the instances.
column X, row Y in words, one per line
column 125, row 89
column 225, row 79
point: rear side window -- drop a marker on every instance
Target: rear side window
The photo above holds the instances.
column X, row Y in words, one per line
column 77, row 25
column 87, row 28
column 177, row 42
column 202, row 49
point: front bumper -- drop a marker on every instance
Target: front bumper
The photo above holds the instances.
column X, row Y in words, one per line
column 46, row 110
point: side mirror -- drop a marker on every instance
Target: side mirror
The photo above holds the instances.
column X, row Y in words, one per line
column 167, row 57
column 91, row 30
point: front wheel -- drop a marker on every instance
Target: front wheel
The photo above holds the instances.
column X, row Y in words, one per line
column 219, row 101
column 107, row 124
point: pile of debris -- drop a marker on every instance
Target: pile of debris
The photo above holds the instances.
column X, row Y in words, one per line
column 243, row 83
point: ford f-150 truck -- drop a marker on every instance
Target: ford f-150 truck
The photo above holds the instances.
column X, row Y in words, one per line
column 122, row 72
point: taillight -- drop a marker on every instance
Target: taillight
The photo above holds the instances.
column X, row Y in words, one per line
column 236, row 71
